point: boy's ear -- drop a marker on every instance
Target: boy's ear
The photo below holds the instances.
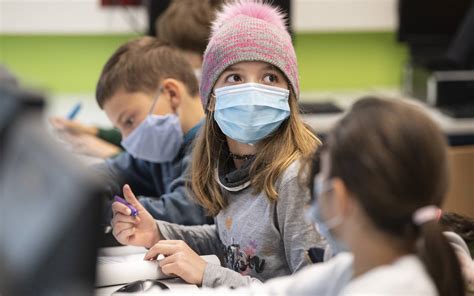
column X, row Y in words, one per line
column 172, row 88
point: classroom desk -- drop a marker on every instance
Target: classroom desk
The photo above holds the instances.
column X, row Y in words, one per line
column 176, row 284
column 460, row 197
column 322, row 123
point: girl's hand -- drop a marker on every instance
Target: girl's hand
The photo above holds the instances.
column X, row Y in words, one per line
column 180, row 260
column 138, row 231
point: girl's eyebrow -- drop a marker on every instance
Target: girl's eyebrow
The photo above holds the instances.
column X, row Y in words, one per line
column 271, row 67
column 233, row 68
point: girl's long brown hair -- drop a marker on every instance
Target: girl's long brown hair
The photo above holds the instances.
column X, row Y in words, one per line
column 291, row 141
column 392, row 158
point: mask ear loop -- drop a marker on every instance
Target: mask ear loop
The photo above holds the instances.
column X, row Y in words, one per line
column 212, row 103
column 155, row 99
column 320, row 188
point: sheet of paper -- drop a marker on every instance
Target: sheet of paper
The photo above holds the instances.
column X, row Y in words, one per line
column 120, row 259
column 114, row 270
column 121, row 251
column 123, row 267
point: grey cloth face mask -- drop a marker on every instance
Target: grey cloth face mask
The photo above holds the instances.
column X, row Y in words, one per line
column 158, row 138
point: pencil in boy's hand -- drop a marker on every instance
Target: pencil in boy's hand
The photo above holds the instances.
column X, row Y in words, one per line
column 134, row 211
column 72, row 114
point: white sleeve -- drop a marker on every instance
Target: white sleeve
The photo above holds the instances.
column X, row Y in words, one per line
column 327, row 278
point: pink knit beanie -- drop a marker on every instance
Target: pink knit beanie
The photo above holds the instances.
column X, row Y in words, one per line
column 248, row 30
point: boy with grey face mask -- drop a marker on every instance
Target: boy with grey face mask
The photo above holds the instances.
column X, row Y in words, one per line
column 149, row 92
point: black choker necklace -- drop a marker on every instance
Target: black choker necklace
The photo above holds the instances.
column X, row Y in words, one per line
column 241, row 157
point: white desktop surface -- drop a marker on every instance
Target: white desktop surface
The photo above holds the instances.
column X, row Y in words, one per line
column 173, row 284
column 322, row 123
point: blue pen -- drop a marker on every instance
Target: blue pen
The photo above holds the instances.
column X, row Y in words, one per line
column 72, row 114
column 134, row 212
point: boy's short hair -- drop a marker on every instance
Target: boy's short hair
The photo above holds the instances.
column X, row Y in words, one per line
column 186, row 24
column 140, row 65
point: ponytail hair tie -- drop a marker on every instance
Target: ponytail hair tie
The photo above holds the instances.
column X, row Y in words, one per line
column 426, row 214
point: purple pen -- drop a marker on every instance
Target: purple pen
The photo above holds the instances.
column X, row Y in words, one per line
column 134, row 212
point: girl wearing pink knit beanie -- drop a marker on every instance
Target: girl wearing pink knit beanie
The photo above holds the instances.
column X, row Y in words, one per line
column 245, row 162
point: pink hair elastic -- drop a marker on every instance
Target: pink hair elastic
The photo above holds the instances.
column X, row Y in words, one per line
column 426, row 214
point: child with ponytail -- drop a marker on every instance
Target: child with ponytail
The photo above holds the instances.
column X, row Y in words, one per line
column 383, row 178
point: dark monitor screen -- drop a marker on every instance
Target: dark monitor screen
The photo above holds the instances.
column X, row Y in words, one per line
column 49, row 213
column 430, row 21
column 157, row 7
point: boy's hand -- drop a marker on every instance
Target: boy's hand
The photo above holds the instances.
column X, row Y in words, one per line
column 90, row 145
column 138, row 231
column 180, row 260
column 73, row 127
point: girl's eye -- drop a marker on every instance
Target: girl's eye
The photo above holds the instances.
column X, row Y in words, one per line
column 233, row 78
column 270, row 78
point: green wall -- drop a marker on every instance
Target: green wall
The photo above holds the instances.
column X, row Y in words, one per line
column 61, row 64
column 349, row 60
column 327, row 61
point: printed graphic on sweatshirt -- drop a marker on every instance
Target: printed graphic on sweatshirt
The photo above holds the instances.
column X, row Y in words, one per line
column 228, row 223
column 243, row 260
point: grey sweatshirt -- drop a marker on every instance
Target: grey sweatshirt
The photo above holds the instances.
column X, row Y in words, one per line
column 256, row 239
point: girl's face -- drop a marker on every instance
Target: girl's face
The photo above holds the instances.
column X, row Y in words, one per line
column 249, row 72
column 252, row 72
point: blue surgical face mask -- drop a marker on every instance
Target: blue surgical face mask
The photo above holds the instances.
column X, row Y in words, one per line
column 157, row 139
column 249, row 112
column 324, row 226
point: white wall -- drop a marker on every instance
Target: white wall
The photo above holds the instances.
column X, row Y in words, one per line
column 344, row 15
column 88, row 17
column 68, row 17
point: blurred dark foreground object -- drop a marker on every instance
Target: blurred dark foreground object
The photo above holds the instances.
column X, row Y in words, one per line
column 50, row 209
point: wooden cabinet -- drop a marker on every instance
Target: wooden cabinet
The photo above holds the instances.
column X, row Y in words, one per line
column 460, row 198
